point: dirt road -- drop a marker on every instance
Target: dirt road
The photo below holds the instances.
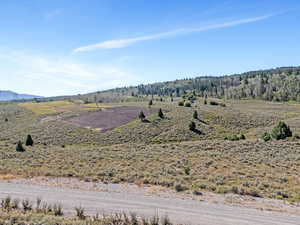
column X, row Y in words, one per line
column 179, row 210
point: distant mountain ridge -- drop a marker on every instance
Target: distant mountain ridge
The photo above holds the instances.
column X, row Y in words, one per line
column 11, row 96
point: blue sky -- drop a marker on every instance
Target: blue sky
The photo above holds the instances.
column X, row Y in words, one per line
column 58, row 47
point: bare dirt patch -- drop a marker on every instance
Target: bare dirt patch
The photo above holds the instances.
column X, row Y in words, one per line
column 109, row 118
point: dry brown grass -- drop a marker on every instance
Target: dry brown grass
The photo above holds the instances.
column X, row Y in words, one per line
column 164, row 151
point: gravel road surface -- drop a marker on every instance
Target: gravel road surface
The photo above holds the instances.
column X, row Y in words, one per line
column 184, row 211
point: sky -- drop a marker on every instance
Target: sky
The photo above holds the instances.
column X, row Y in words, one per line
column 66, row 47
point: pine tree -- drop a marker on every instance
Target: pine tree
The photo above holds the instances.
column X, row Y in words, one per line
column 195, row 115
column 142, row 116
column 160, row 113
column 29, row 141
column 20, row 147
column 150, row 103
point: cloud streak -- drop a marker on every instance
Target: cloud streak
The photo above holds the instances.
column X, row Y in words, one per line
column 122, row 43
column 59, row 76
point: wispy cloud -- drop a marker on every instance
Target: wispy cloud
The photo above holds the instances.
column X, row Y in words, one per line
column 111, row 44
column 61, row 74
column 52, row 14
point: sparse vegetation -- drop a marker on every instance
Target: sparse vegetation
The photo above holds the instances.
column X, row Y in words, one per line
column 53, row 215
column 63, row 149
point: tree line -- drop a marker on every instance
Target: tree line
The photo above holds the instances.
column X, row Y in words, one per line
column 280, row 84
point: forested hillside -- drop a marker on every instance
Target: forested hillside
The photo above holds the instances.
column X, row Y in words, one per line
column 280, row 84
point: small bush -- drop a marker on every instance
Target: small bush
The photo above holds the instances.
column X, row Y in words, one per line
column 266, row 137
column 196, row 192
column 57, row 209
column 150, row 103
column 192, row 126
column 142, row 116
column 213, row 103
column 179, row 187
column 187, row 104
column 181, row 103
column 281, row 131
column 195, row 114
column 242, row 137
column 27, row 206
column 80, row 213
column 165, row 221
column 20, row 147
column 6, row 203
column 235, row 137
column 15, row 204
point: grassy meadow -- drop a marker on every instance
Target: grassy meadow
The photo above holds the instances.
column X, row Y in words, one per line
column 161, row 151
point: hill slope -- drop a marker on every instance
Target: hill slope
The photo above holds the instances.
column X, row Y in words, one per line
column 280, row 84
column 10, row 96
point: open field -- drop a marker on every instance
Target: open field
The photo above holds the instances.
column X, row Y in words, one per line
column 109, row 118
column 245, row 167
column 161, row 151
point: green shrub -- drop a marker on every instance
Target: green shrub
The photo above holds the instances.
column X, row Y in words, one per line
column 213, row 103
column 187, row 104
column 181, row 103
column 20, row 147
column 179, row 187
column 192, row 126
column 195, row 114
column 281, row 131
column 242, row 137
column 142, row 116
column 266, row 137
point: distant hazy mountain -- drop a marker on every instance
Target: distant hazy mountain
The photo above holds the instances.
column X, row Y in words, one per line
column 9, row 96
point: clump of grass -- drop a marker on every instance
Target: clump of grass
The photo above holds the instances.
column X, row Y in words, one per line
column 80, row 212
column 29, row 216
column 26, row 205
column 179, row 187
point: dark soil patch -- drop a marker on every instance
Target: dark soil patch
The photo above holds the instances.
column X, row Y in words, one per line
column 110, row 118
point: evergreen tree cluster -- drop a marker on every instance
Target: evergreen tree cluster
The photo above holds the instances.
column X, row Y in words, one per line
column 280, row 84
